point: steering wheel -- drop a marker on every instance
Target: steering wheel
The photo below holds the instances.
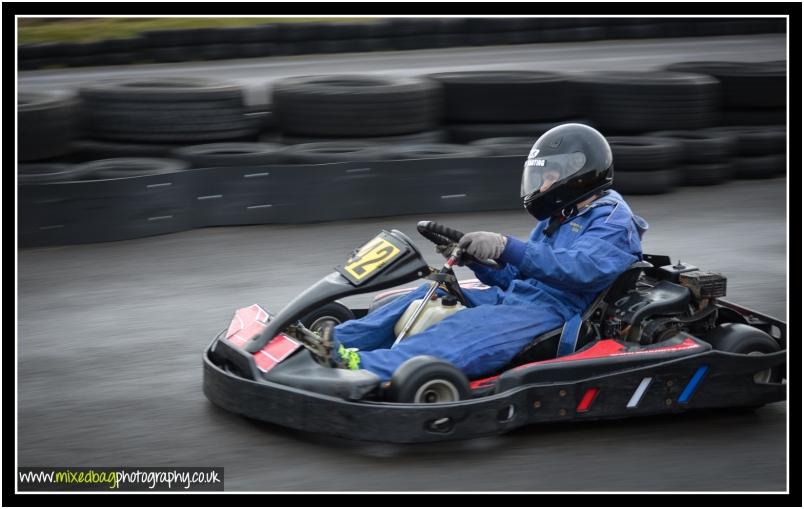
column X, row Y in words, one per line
column 441, row 235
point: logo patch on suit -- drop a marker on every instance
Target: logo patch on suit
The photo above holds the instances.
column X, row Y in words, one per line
column 575, row 227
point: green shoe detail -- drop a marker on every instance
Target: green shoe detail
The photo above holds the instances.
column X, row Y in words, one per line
column 350, row 359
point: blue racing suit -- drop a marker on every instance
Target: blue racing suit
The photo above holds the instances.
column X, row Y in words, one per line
column 543, row 282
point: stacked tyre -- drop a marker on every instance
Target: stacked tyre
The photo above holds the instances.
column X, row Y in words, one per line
column 706, row 155
column 761, row 151
column 47, row 125
column 151, row 117
column 506, row 146
column 491, row 104
column 343, row 107
column 634, row 102
column 645, row 165
column 753, row 93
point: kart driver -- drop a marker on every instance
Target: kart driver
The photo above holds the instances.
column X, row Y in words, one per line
column 585, row 238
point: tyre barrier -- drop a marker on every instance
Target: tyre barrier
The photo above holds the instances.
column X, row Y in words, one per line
column 166, row 110
column 355, row 105
column 281, row 39
column 466, row 133
column 761, row 151
column 230, row 154
column 171, row 199
column 505, row 96
column 624, row 102
column 740, row 81
column 507, row 146
column 434, row 136
column 705, row 155
column 645, row 165
column 333, row 152
column 47, row 125
column 255, row 183
column 40, row 173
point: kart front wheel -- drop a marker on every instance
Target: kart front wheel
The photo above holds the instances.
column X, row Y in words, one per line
column 427, row 379
column 333, row 314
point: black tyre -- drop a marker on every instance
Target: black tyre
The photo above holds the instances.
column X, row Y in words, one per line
column 434, row 150
column 505, row 96
column 47, row 125
column 333, row 314
column 743, row 84
column 705, row 174
column 435, row 136
column 356, row 105
column 465, row 133
column 167, row 110
column 643, row 153
column 42, row 173
column 507, row 146
column 333, row 152
column 168, row 89
column 636, row 102
column 702, row 146
column 775, row 117
column 755, row 140
column 230, row 154
column 744, row 339
column 92, row 150
column 646, row 182
column 130, row 167
column 760, row 167
column 428, row 379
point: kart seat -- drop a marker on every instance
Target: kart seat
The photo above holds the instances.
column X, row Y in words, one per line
column 545, row 346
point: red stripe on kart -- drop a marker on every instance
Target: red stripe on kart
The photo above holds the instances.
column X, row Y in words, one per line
column 587, row 399
column 251, row 321
column 613, row 348
column 277, row 350
column 483, row 382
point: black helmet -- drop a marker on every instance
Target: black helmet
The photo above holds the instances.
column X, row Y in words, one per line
column 580, row 160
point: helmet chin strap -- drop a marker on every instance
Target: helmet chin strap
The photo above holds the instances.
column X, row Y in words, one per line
column 557, row 219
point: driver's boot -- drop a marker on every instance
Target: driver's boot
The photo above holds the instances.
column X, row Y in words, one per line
column 324, row 350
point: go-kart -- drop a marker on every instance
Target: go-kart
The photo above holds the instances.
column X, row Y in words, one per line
column 660, row 339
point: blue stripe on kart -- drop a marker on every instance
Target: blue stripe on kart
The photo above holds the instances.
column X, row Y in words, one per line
column 693, row 383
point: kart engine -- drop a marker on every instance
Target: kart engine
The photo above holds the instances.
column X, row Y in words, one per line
column 653, row 313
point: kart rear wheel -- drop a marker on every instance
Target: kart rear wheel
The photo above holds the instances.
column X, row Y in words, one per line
column 744, row 339
column 428, row 379
column 333, row 314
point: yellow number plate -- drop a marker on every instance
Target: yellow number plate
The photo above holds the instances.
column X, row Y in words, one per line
column 371, row 257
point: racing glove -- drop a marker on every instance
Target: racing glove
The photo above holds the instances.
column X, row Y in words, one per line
column 483, row 245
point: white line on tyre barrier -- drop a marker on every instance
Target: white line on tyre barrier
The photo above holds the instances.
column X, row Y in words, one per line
column 254, row 175
column 358, row 170
column 165, row 184
column 399, row 184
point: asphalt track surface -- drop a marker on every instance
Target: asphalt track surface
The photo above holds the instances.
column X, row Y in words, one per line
column 110, row 335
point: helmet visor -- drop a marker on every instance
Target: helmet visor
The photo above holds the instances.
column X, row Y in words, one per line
column 541, row 173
